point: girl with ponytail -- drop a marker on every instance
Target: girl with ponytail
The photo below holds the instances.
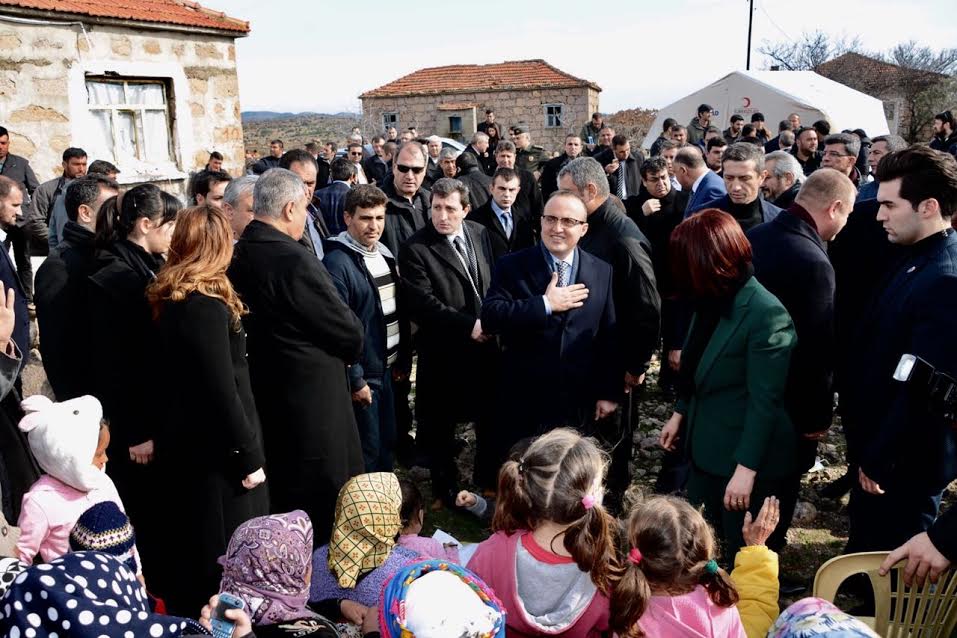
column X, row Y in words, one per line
column 551, row 559
column 671, row 584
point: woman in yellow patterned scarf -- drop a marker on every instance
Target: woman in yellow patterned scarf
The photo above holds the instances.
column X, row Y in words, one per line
column 349, row 572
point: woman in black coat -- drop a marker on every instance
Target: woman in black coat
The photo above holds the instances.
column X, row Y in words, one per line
column 209, row 449
column 132, row 235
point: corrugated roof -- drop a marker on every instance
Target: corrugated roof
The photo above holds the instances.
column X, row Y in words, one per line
column 466, row 78
column 179, row 12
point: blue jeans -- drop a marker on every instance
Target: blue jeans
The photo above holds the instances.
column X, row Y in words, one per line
column 376, row 424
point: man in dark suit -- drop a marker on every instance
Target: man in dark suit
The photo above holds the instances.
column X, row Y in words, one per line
column 790, row 260
column 656, row 211
column 374, row 166
column 549, row 178
column 300, row 162
column 616, row 239
column 18, row 169
column 11, row 206
column 529, row 201
column 509, row 229
column 479, row 147
column 742, row 168
column 408, row 206
column 696, row 178
column 445, row 270
column 623, row 168
column 551, row 307
column 324, row 162
column 301, row 338
column 907, row 451
column 331, row 199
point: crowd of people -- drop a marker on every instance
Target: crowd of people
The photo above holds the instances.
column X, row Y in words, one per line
column 240, row 369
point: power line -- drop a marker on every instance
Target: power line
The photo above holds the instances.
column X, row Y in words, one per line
column 775, row 24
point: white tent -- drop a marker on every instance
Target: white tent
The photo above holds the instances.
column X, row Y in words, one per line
column 777, row 94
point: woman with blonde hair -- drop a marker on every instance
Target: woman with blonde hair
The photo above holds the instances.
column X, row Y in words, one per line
column 209, row 451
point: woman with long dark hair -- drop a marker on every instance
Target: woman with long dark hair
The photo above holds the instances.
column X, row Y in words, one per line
column 734, row 366
column 209, row 448
column 132, row 236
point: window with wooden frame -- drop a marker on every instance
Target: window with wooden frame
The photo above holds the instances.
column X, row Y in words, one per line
column 132, row 121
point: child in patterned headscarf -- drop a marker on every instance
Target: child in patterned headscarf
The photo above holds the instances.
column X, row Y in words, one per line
column 268, row 565
column 349, row 572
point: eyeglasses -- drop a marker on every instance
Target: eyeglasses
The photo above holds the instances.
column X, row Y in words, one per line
column 836, row 154
column 405, row 169
column 566, row 222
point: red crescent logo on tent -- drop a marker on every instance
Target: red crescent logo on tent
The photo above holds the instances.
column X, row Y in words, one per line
column 747, row 102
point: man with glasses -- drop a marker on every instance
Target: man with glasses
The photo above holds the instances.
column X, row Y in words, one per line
column 616, row 239
column 840, row 153
column 408, row 205
column 355, row 155
column 551, row 307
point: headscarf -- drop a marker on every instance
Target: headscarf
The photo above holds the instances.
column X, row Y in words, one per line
column 367, row 522
column 85, row 595
column 817, row 618
column 10, row 568
column 266, row 565
column 472, row 610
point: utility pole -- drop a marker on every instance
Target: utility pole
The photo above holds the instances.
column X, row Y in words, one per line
column 747, row 66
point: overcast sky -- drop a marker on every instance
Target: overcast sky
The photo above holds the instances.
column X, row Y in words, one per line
column 319, row 55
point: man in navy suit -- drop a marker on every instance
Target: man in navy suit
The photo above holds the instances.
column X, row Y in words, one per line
column 332, row 198
column 11, row 201
column 907, row 451
column 696, row 178
column 551, row 307
column 790, row 260
column 742, row 167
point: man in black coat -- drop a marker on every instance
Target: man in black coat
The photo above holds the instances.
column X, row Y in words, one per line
column 301, row 338
column 623, row 167
column 790, row 260
column 616, row 239
column 509, row 228
column 62, row 305
column 331, row 199
column 907, row 451
column 552, row 309
column 549, row 178
column 408, row 205
column 11, row 204
column 18, row 169
column 445, row 270
column 657, row 210
column 784, row 179
column 529, row 201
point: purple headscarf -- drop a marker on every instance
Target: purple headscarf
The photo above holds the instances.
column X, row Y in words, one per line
column 266, row 564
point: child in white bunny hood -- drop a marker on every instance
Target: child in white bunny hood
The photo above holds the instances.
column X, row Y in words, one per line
column 69, row 441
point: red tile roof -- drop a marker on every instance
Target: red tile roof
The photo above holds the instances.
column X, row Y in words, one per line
column 468, row 78
column 179, row 12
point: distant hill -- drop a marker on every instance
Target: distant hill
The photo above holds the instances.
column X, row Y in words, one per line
column 295, row 129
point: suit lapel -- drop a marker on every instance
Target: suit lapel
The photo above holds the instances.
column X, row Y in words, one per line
column 497, row 224
column 724, row 331
column 481, row 259
column 442, row 247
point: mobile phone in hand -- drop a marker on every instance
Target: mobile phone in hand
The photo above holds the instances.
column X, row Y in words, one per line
column 222, row 626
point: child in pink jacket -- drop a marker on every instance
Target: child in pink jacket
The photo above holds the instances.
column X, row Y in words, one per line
column 69, row 442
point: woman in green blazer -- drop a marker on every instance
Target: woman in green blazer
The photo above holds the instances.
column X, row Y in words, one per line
column 730, row 412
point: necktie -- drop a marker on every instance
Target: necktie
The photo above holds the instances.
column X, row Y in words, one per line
column 507, row 223
column 620, row 188
column 561, row 268
column 465, row 252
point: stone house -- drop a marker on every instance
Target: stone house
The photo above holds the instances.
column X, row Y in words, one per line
column 149, row 85
column 898, row 87
column 450, row 101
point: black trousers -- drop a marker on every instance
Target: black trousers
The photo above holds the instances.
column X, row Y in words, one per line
column 883, row 522
column 17, row 237
column 790, row 490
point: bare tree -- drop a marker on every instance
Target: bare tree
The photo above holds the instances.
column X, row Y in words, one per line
column 810, row 51
column 925, row 81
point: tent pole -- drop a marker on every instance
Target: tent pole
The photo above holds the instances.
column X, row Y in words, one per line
column 747, row 66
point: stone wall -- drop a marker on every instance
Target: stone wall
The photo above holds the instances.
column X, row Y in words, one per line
column 511, row 107
column 43, row 99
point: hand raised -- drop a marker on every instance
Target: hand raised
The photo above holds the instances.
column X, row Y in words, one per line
column 566, row 297
column 651, row 207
